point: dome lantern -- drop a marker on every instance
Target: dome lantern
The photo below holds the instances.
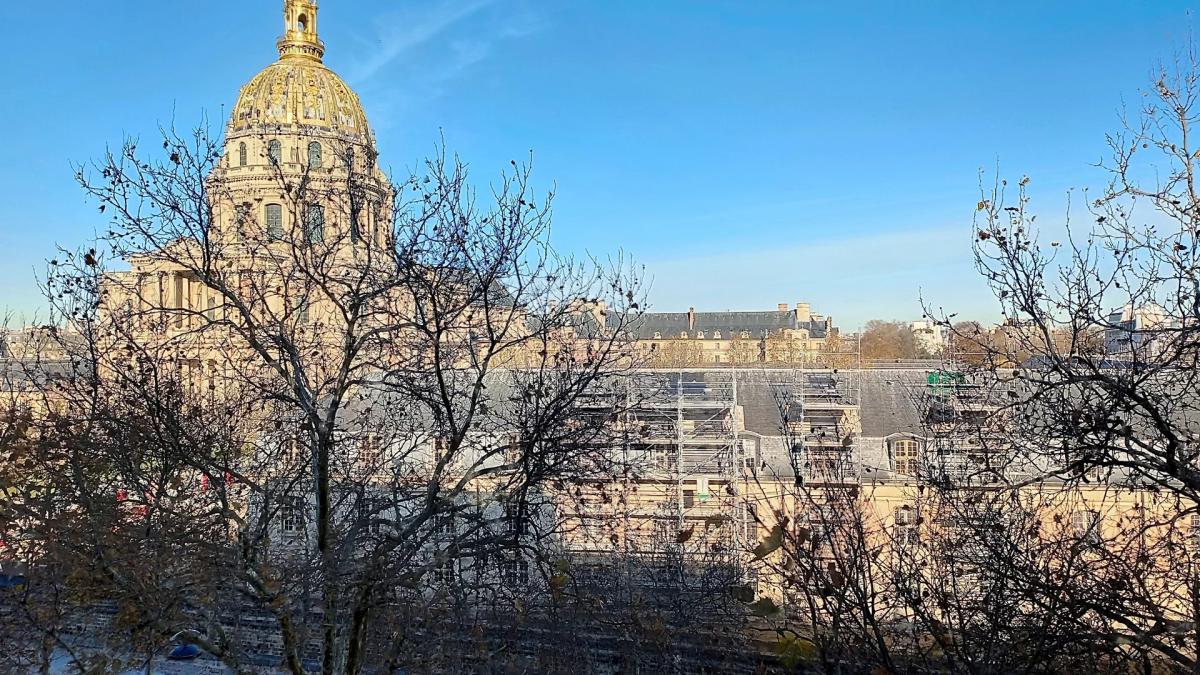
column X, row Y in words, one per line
column 300, row 31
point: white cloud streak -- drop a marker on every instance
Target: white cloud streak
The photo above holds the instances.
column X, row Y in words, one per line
column 401, row 32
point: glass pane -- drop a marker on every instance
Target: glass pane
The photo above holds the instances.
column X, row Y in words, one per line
column 315, row 222
column 274, row 221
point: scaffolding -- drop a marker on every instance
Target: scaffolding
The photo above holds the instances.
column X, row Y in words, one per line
column 678, row 521
column 965, row 443
column 820, row 418
column 680, row 516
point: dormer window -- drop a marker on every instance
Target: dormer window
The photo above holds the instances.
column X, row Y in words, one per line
column 700, row 335
column 683, row 335
column 745, row 335
column 716, row 335
column 657, row 335
column 906, row 453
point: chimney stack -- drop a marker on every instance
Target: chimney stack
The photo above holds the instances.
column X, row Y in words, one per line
column 691, row 318
column 803, row 312
column 600, row 312
column 783, row 307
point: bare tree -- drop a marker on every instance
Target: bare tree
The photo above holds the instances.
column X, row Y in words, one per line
column 1098, row 366
column 326, row 425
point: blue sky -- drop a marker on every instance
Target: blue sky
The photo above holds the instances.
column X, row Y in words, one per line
column 748, row 152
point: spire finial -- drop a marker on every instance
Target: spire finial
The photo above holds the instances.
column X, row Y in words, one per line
column 300, row 31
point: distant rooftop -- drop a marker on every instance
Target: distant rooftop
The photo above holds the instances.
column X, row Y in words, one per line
column 733, row 323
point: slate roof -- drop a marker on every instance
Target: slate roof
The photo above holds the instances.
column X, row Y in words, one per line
column 27, row 375
column 888, row 402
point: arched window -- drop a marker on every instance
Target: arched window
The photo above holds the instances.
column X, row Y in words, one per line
column 314, row 223
column 275, row 152
column 355, row 227
column 377, row 233
column 241, row 154
column 314, row 155
column 350, row 159
column 274, row 222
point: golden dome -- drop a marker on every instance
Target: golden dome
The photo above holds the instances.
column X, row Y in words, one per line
column 298, row 89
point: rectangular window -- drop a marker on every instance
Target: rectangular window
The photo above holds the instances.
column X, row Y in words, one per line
column 906, row 532
column 441, row 448
column 1086, row 525
column 445, row 572
column 515, row 572
column 689, row 499
column 369, row 452
column 513, row 524
column 295, row 449
column 371, row 513
column 291, row 515
column 274, row 222
column 444, row 524
column 180, row 302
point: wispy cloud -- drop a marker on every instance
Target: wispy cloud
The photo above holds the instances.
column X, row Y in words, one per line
column 402, row 31
column 414, row 55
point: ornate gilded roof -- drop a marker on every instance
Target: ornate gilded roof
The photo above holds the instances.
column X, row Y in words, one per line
column 298, row 89
column 295, row 91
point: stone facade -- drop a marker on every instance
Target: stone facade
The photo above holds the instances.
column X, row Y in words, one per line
column 787, row 336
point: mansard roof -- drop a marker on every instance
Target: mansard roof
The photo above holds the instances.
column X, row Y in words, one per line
column 732, row 324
